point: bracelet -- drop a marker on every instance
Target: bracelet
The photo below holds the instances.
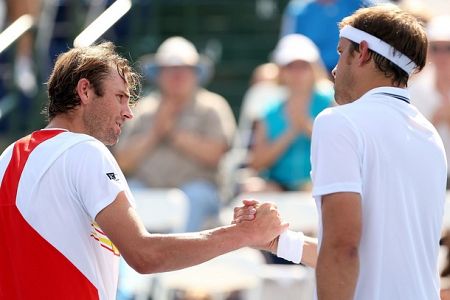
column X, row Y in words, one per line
column 290, row 246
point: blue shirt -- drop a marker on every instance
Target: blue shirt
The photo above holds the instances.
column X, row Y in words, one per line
column 292, row 168
column 319, row 22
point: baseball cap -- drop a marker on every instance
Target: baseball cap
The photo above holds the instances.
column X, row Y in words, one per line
column 294, row 47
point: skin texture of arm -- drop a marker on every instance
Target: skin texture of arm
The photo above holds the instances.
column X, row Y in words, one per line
column 152, row 253
column 309, row 256
column 338, row 262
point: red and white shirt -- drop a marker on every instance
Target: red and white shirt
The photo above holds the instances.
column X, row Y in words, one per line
column 53, row 184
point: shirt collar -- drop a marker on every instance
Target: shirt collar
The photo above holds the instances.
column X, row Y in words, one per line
column 387, row 89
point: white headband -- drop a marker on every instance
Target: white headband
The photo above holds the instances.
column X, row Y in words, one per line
column 378, row 46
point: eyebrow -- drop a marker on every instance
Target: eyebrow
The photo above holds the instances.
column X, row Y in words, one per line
column 126, row 94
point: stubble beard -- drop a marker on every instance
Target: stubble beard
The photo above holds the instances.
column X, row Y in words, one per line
column 95, row 124
column 342, row 90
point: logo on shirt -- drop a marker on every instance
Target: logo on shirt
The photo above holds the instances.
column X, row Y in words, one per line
column 103, row 240
column 112, row 176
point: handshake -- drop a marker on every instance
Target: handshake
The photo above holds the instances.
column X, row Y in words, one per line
column 265, row 230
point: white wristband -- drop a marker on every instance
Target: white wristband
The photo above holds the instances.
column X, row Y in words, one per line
column 290, row 246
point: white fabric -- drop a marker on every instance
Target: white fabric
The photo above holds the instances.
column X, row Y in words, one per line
column 290, row 246
column 384, row 149
column 62, row 188
column 379, row 46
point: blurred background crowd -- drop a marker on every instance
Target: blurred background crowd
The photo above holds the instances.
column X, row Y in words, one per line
column 230, row 91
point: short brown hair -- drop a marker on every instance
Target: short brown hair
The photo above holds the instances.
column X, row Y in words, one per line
column 399, row 29
column 93, row 63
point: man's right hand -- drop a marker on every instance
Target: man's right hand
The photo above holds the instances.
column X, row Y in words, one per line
column 264, row 228
column 246, row 212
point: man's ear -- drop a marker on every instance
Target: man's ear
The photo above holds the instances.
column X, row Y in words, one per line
column 83, row 90
column 364, row 54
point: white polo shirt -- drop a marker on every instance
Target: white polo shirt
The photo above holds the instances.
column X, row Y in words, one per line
column 53, row 184
column 384, row 149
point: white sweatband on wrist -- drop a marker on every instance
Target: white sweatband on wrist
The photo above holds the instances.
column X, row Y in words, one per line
column 379, row 46
column 290, row 246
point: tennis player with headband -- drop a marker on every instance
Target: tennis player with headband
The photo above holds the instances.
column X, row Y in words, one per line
column 378, row 170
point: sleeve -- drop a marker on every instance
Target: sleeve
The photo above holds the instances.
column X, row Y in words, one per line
column 221, row 124
column 97, row 177
column 335, row 155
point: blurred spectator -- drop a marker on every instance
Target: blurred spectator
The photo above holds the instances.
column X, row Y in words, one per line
column 264, row 90
column 24, row 73
column 179, row 133
column 318, row 19
column 433, row 7
column 267, row 72
column 431, row 90
column 417, row 8
column 18, row 83
column 282, row 139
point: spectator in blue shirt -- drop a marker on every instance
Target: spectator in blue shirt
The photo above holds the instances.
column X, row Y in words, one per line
column 282, row 139
column 318, row 19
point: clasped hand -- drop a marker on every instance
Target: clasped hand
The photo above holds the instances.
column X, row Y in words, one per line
column 264, row 219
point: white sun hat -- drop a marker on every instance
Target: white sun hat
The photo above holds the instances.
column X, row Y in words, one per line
column 177, row 51
column 294, row 47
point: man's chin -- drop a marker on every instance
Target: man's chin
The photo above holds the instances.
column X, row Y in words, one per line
column 110, row 141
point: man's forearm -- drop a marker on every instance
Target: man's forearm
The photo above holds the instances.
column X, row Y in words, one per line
column 173, row 252
column 307, row 250
column 151, row 253
column 309, row 256
column 337, row 273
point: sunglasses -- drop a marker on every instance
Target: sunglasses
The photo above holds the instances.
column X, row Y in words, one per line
column 440, row 48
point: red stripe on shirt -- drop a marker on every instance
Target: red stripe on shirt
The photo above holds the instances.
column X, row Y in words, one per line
column 30, row 267
column 99, row 231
